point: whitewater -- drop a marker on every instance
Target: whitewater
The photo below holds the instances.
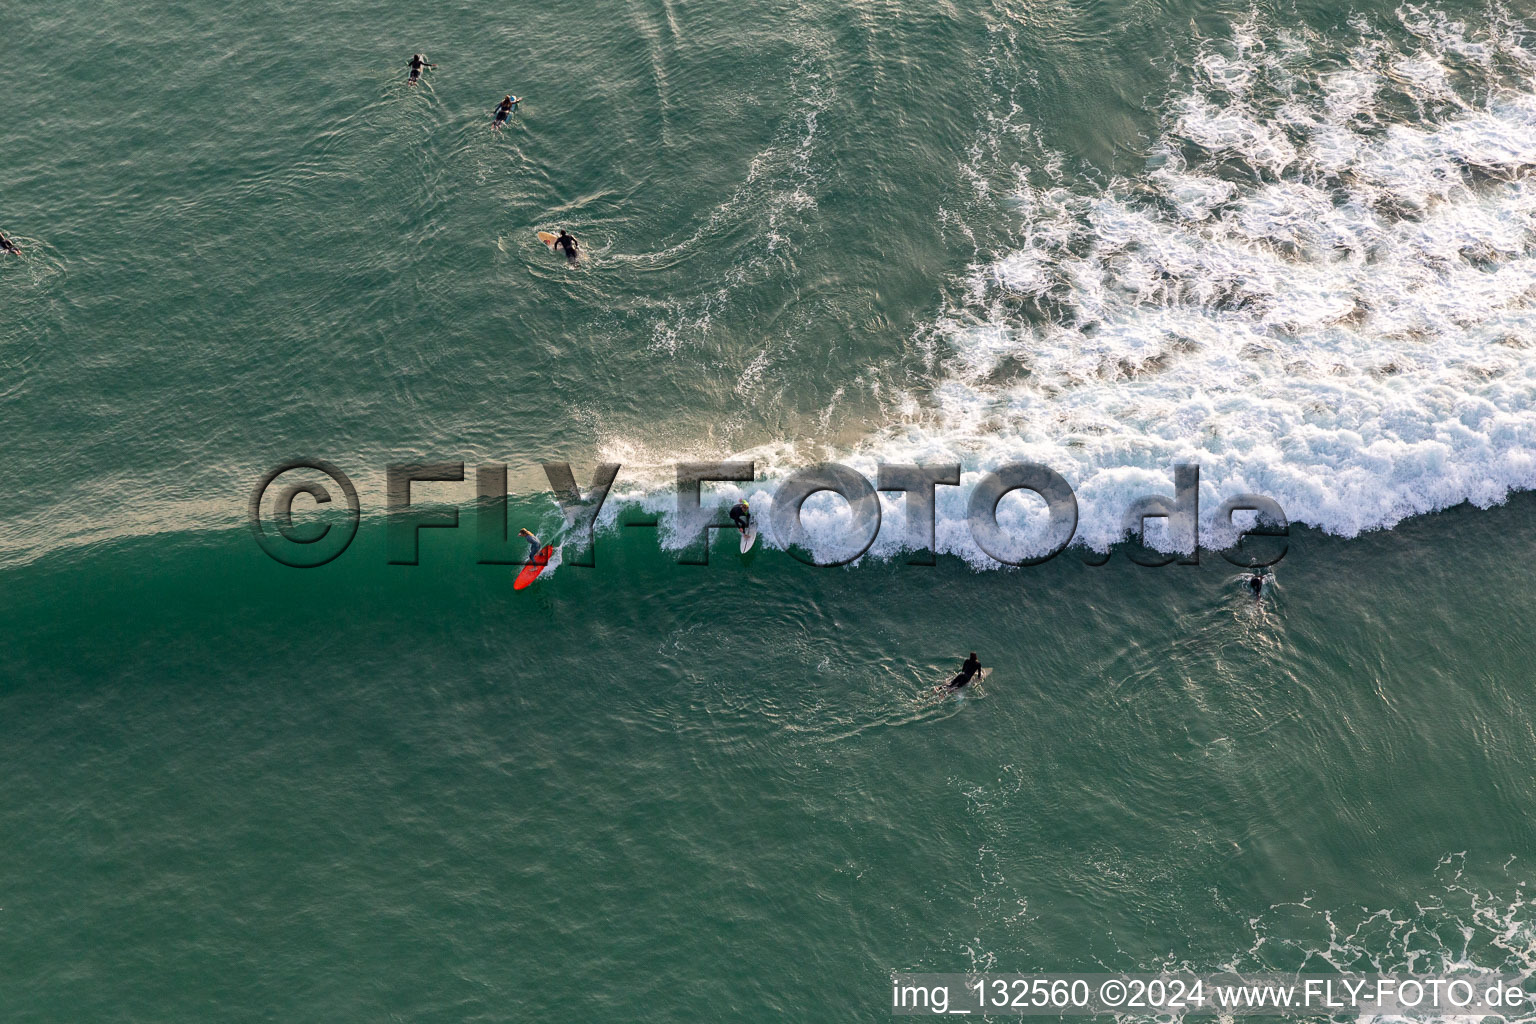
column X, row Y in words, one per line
column 1319, row 290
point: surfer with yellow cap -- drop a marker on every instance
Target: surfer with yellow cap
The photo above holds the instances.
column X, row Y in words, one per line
column 741, row 515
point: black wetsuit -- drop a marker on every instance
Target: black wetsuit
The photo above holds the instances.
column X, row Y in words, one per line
column 569, row 244
column 740, row 516
column 6, row 245
column 416, row 64
column 967, row 672
column 502, row 110
column 1256, row 584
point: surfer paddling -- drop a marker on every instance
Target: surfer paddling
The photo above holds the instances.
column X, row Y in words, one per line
column 8, row 246
column 417, row 64
column 569, row 244
column 505, row 108
column 967, row 672
column 1256, row 585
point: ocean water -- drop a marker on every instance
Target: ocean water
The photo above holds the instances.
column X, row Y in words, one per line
column 1292, row 243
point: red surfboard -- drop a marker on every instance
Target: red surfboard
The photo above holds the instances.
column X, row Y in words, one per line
column 531, row 572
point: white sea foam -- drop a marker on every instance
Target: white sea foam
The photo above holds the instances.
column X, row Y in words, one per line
column 1463, row 929
column 1320, row 290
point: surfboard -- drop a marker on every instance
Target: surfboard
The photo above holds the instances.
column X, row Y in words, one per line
column 548, row 238
column 531, row 572
column 749, row 538
column 977, row 678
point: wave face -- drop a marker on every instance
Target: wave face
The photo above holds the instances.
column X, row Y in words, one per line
column 1320, row 289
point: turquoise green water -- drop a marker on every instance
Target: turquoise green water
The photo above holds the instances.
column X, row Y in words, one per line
column 1294, row 244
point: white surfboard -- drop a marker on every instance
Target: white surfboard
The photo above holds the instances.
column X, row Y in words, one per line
column 978, row 678
column 749, row 538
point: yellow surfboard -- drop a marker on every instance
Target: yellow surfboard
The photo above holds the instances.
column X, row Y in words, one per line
column 548, row 239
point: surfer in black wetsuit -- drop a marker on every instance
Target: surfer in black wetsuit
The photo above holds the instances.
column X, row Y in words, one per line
column 741, row 515
column 534, row 544
column 1256, row 585
column 967, row 672
column 416, row 64
column 569, row 244
column 6, row 245
column 504, row 108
